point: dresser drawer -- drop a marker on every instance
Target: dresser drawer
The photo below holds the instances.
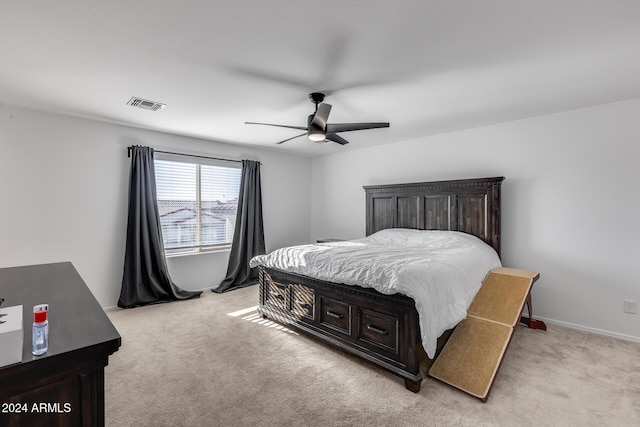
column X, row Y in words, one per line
column 302, row 302
column 378, row 330
column 276, row 295
column 335, row 315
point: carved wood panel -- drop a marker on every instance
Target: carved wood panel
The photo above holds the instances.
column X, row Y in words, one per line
column 383, row 212
column 409, row 212
column 437, row 213
column 472, row 213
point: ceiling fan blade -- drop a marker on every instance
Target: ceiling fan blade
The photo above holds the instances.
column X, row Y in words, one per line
column 347, row 127
column 322, row 115
column 294, row 137
column 271, row 77
column 337, row 138
column 280, row 126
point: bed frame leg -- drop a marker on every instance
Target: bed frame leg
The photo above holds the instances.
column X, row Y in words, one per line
column 411, row 385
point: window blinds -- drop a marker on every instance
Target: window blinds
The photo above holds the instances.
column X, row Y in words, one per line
column 197, row 202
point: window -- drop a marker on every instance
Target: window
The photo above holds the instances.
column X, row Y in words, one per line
column 197, row 202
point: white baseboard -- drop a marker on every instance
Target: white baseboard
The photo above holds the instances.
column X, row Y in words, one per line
column 589, row 329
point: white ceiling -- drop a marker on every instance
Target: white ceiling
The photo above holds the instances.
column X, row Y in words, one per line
column 427, row 67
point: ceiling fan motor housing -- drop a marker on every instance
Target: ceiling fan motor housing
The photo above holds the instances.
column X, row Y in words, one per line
column 315, row 133
column 316, row 97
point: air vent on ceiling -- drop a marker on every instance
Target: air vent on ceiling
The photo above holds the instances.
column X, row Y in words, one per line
column 145, row 104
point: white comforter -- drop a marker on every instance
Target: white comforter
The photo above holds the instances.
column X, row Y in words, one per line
column 440, row 270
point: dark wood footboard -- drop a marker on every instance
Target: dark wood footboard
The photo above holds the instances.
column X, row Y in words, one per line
column 382, row 329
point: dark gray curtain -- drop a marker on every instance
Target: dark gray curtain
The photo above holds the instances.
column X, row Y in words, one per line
column 145, row 279
column 248, row 237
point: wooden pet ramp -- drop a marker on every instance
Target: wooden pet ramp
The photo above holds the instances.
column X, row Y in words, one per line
column 471, row 358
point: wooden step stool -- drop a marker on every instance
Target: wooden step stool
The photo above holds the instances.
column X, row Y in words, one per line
column 472, row 356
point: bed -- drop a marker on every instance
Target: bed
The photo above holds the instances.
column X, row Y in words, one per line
column 382, row 327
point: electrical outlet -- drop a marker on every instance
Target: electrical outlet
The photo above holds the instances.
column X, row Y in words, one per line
column 630, row 306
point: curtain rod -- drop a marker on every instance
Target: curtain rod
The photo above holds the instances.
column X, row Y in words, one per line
column 187, row 155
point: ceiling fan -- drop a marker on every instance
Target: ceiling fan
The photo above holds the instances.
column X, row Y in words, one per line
column 318, row 130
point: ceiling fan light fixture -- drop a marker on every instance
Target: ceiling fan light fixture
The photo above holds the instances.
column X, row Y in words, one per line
column 317, row 135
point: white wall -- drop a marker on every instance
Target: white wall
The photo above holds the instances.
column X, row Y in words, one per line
column 64, row 185
column 571, row 202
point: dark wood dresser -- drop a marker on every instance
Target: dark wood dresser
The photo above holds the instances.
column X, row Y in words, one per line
column 65, row 386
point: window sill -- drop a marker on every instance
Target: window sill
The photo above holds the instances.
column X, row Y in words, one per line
column 200, row 252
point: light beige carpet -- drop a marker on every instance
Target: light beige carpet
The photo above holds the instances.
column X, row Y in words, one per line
column 191, row 363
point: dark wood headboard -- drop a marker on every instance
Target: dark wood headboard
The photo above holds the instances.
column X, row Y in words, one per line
column 468, row 205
